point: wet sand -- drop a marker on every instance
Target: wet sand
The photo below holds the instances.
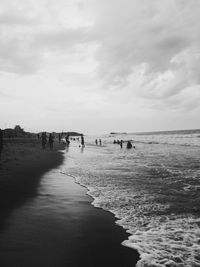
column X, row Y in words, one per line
column 56, row 225
column 22, row 164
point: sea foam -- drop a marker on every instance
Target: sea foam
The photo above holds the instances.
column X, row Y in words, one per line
column 153, row 191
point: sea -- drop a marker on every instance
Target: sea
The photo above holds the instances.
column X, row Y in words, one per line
column 153, row 190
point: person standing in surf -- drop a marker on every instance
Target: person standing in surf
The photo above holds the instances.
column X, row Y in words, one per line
column 129, row 145
column 67, row 140
column 121, row 143
column 82, row 141
column 44, row 140
column 59, row 138
column 51, row 141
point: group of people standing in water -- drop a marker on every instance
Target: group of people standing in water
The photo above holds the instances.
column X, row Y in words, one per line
column 96, row 142
column 120, row 142
column 51, row 137
column 50, row 140
column 47, row 139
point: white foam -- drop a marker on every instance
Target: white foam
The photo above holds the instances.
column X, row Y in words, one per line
column 161, row 238
column 162, row 241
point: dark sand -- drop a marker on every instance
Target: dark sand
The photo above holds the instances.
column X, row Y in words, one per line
column 22, row 164
column 46, row 230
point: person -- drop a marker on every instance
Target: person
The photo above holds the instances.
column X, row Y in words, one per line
column 1, row 142
column 44, row 140
column 121, row 143
column 51, row 141
column 100, row 142
column 59, row 138
column 82, row 140
column 82, row 148
column 114, row 142
column 67, row 140
column 96, row 142
column 129, row 145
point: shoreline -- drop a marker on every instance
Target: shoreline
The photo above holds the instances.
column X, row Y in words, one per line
column 22, row 164
column 82, row 234
column 129, row 256
column 116, row 219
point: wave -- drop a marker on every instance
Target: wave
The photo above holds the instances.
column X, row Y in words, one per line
column 160, row 241
column 178, row 142
column 153, row 192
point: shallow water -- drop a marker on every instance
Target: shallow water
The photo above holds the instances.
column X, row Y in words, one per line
column 154, row 190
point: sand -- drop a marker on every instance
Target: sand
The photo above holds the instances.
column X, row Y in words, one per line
column 33, row 233
column 23, row 161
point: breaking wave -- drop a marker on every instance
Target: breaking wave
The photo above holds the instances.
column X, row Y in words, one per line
column 154, row 192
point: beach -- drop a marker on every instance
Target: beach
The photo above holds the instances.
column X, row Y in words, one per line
column 22, row 164
column 48, row 219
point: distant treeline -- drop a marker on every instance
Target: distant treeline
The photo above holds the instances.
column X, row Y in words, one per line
column 18, row 131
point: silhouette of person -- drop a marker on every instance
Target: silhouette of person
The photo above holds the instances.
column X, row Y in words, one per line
column 59, row 138
column 67, row 140
column 44, row 140
column 100, row 142
column 1, row 142
column 121, row 143
column 96, row 142
column 129, row 145
column 51, row 141
column 82, row 140
column 82, row 148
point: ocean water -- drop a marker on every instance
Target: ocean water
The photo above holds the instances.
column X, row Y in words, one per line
column 153, row 190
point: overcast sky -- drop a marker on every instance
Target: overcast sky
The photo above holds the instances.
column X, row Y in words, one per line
column 97, row 66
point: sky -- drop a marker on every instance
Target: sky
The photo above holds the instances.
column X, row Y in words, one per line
column 100, row 66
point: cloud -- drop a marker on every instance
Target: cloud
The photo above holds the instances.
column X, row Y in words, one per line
column 61, row 39
column 4, row 95
column 150, row 47
column 14, row 19
column 29, row 30
column 152, row 32
column 187, row 101
column 184, row 73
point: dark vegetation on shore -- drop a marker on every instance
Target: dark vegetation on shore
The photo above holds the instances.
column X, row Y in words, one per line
column 18, row 131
